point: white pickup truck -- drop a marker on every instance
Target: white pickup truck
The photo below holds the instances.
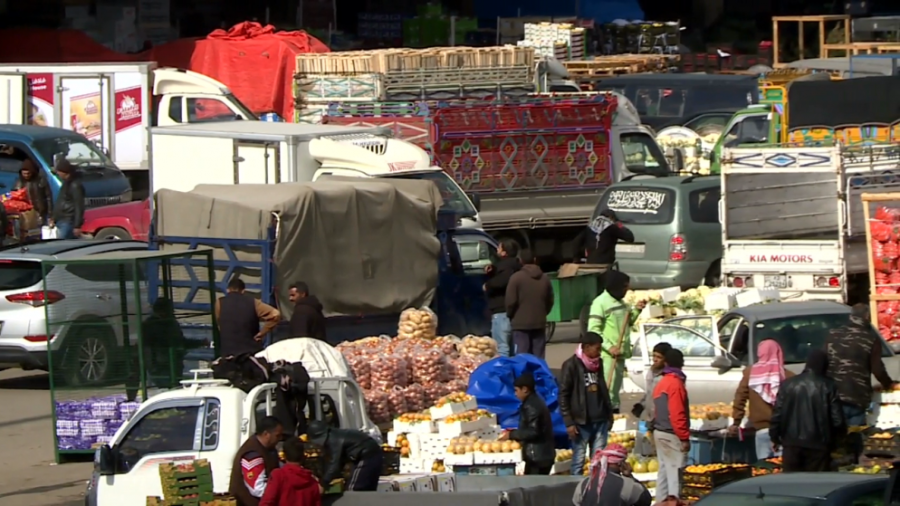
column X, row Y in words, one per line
column 206, row 419
column 792, row 218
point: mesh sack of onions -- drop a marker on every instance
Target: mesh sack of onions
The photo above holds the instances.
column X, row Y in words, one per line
column 415, row 397
column 417, row 324
column 388, row 371
column 377, row 406
column 429, row 366
column 397, row 401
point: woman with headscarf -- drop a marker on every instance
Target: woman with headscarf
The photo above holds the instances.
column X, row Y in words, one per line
column 612, row 318
column 808, row 418
column 759, row 387
column 610, row 482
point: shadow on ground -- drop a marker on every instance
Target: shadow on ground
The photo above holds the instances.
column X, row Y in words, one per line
column 37, row 381
column 43, row 490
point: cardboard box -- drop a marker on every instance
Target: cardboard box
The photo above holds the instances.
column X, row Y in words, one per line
column 414, row 428
column 456, row 429
column 513, row 457
column 445, row 482
column 403, row 483
column 424, row 482
column 385, row 484
column 466, row 459
column 757, row 295
column 452, row 409
column 408, row 466
column 563, row 467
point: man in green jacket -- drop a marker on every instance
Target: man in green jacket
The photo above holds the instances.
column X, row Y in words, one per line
column 612, row 318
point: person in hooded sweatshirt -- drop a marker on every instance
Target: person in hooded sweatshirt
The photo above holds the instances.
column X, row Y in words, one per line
column 529, row 299
column 499, row 274
column 292, row 484
column 602, row 236
column 612, row 318
column 308, row 319
column 347, row 446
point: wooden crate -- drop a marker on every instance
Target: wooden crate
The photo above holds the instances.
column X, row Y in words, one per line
column 858, row 48
column 619, row 64
column 385, row 61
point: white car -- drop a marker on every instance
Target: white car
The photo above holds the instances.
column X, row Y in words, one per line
column 82, row 301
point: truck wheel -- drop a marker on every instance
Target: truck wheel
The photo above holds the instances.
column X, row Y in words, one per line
column 113, row 234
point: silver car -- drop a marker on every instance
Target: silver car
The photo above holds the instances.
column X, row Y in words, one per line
column 84, row 299
column 717, row 349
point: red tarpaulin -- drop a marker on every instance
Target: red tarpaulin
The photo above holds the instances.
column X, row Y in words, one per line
column 254, row 61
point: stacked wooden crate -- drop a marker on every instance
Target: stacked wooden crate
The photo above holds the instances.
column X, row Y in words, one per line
column 404, row 74
column 562, row 41
column 620, row 64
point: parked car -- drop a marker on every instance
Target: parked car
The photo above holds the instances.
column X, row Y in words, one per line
column 717, row 349
column 82, row 301
column 803, row 489
column 675, row 220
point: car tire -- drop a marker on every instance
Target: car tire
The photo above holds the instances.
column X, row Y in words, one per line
column 713, row 277
column 89, row 356
column 113, row 234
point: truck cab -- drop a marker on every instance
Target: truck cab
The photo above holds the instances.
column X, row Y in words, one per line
column 205, row 419
column 182, row 96
column 104, row 183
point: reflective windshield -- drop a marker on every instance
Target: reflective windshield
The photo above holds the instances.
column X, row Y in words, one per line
column 454, row 198
column 78, row 151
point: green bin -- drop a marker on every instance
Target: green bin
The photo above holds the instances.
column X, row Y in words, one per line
column 570, row 295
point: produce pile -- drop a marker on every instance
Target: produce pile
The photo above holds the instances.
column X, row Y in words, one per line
column 885, row 233
column 714, row 411
column 412, row 371
column 189, row 483
column 767, row 466
column 700, row 480
column 691, row 301
column 464, row 445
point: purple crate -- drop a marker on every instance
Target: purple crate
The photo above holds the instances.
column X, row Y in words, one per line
column 67, row 428
column 104, row 440
column 105, row 410
column 128, row 409
column 75, row 443
column 73, row 410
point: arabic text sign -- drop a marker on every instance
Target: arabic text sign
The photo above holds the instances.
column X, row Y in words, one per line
column 636, row 201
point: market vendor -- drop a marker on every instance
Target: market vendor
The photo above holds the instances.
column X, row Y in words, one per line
column 535, row 430
column 346, row 446
column 255, row 462
column 37, row 188
column 610, row 482
column 239, row 315
column 612, row 318
column 759, row 387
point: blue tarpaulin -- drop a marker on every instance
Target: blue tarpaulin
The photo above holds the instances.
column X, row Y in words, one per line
column 492, row 385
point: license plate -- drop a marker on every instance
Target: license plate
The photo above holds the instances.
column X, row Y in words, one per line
column 777, row 281
column 630, row 248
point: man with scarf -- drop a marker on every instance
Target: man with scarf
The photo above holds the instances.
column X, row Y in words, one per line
column 584, row 400
column 808, row 419
column 612, row 318
column 672, row 426
column 610, row 482
column 759, row 387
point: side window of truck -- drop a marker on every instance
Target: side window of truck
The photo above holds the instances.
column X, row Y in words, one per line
column 175, row 109
column 166, row 430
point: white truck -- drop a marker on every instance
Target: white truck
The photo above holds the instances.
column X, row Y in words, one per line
column 792, row 218
column 113, row 104
column 206, row 419
column 257, row 152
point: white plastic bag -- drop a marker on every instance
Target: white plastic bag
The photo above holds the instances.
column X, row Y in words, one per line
column 48, row 232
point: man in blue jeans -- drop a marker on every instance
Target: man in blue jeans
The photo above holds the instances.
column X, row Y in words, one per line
column 495, row 288
column 584, row 401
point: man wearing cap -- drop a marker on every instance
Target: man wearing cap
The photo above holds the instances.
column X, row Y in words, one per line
column 610, row 482
column 68, row 211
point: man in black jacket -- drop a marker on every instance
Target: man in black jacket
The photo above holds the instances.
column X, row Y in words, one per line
column 68, row 212
column 808, row 419
column 535, row 430
column 584, row 401
column 343, row 446
column 601, row 237
column 308, row 319
column 495, row 288
column 37, row 187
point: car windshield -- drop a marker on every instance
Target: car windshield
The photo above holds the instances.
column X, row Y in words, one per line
column 454, row 198
column 639, row 205
column 79, row 152
column 755, row 500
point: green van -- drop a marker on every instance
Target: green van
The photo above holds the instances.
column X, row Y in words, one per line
column 675, row 221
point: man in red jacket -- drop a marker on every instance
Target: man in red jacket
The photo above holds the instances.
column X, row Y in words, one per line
column 292, row 484
column 671, row 426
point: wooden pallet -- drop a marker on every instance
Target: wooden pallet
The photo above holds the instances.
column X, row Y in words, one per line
column 858, row 48
column 384, row 61
column 619, row 64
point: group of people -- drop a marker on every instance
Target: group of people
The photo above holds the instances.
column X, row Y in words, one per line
column 804, row 418
column 258, row 478
column 66, row 213
column 239, row 316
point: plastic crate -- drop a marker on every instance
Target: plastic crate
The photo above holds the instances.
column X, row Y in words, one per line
column 570, row 295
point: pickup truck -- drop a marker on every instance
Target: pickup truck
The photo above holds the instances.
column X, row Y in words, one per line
column 717, row 349
column 206, row 419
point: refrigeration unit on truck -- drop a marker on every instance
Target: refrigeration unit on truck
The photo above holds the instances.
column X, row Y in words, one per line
column 113, row 104
column 537, row 167
column 816, row 112
column 792, row 218
column 258, row 152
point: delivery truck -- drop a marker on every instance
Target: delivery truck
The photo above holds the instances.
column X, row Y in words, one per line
column 793, row 220
column 113, row 104
column 537, row 166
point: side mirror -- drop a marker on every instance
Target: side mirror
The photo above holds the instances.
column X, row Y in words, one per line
column 476, row 201
column 105, row 461
column 723, row 363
